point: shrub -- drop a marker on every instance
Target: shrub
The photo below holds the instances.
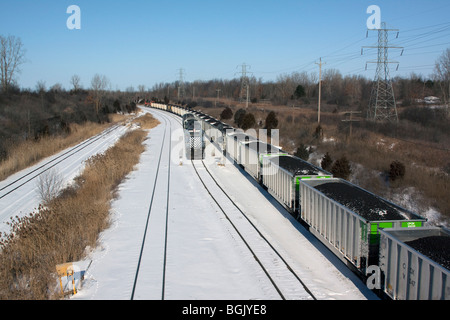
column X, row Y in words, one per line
column 302, row 152
column 49, row 185
column 446, row 168
column 271, row 121
column 248, row 121
column 341, row 168
column 191, row 105
column 61, row 231
column 318, row 133
column 239, row 116
column 226, row 114
column 397, row 170
column 326, row 162
column 299, row 91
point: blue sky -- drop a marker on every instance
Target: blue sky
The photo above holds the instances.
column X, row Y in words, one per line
column 145, row 42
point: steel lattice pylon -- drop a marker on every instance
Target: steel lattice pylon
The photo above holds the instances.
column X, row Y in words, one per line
column 382, row 105
column 244, row 93
column 181, row 90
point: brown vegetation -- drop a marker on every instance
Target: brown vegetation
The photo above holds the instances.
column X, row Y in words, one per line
column 146, row 121
column 36, row 124
column 28, row 152
column 421, row 146
column 61, row 231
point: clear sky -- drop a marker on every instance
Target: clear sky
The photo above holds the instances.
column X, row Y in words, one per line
column 146, row 42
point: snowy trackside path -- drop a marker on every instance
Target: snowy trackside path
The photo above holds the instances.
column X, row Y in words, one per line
column 204, row 261
column 205, row 258
column 18, row 192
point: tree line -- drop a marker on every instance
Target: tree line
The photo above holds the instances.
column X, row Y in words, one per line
column 294, row 89
column 301, row 88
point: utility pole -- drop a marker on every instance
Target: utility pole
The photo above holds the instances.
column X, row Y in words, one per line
column 244, row 84
column 181, row 90
column 351, row 120
column 218, row 91
column 382, row 105
column 320, row 63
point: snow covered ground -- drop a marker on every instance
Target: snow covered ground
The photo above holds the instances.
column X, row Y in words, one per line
column 205, row 257
column 25, row 199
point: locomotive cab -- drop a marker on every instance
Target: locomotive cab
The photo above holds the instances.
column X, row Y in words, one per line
column 194, row 138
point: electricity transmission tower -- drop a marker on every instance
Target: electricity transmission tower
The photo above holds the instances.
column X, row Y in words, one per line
column 181, row 90
column 382, row 105
column 244, row 84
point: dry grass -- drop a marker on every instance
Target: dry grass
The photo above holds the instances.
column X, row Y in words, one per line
column 424, row 157
column 30, row 152
column 61, row 231
column 146, row 121
column 375, row 152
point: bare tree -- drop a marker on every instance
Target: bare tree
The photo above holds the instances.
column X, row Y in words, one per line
column 285, row 86
column 49, row 185
column 57, row 87
column 141, row 89
column 12, row 56
column 99, row 83
column 442, row 74
column 75, row 81
column 40, row 86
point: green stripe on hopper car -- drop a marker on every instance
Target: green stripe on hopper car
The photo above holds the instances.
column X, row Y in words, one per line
column 411, row 224
column 297, row 183
column 374, row 226
column 313, row 177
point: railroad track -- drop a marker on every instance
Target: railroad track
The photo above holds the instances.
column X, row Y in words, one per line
column 153, row 251
column 282, row 276
column 19, row 182
column 151, row 264
column 17, row 193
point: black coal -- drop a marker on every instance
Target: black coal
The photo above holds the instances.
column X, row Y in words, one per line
column 437, row 248
column 361, row 202
column 297, row 166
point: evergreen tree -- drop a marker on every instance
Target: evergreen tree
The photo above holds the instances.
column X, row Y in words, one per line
column 326, row 162
column 271, row 121
column 302, row 152
column 248, row 121
column 341, row 168
column 299, row 91
column 226, row 114
column 397, row 170
column 239, row 116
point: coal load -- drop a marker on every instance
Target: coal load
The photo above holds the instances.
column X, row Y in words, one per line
column 361, row 202
column 262, row 147
column 437, row 248
column 297, row 166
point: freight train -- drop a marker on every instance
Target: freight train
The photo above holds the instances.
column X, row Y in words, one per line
column 386, row 245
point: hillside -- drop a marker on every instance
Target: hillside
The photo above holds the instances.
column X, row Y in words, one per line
column 420, row 141
column 37, row 124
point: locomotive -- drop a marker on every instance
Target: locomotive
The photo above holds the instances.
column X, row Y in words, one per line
column 193, row 137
